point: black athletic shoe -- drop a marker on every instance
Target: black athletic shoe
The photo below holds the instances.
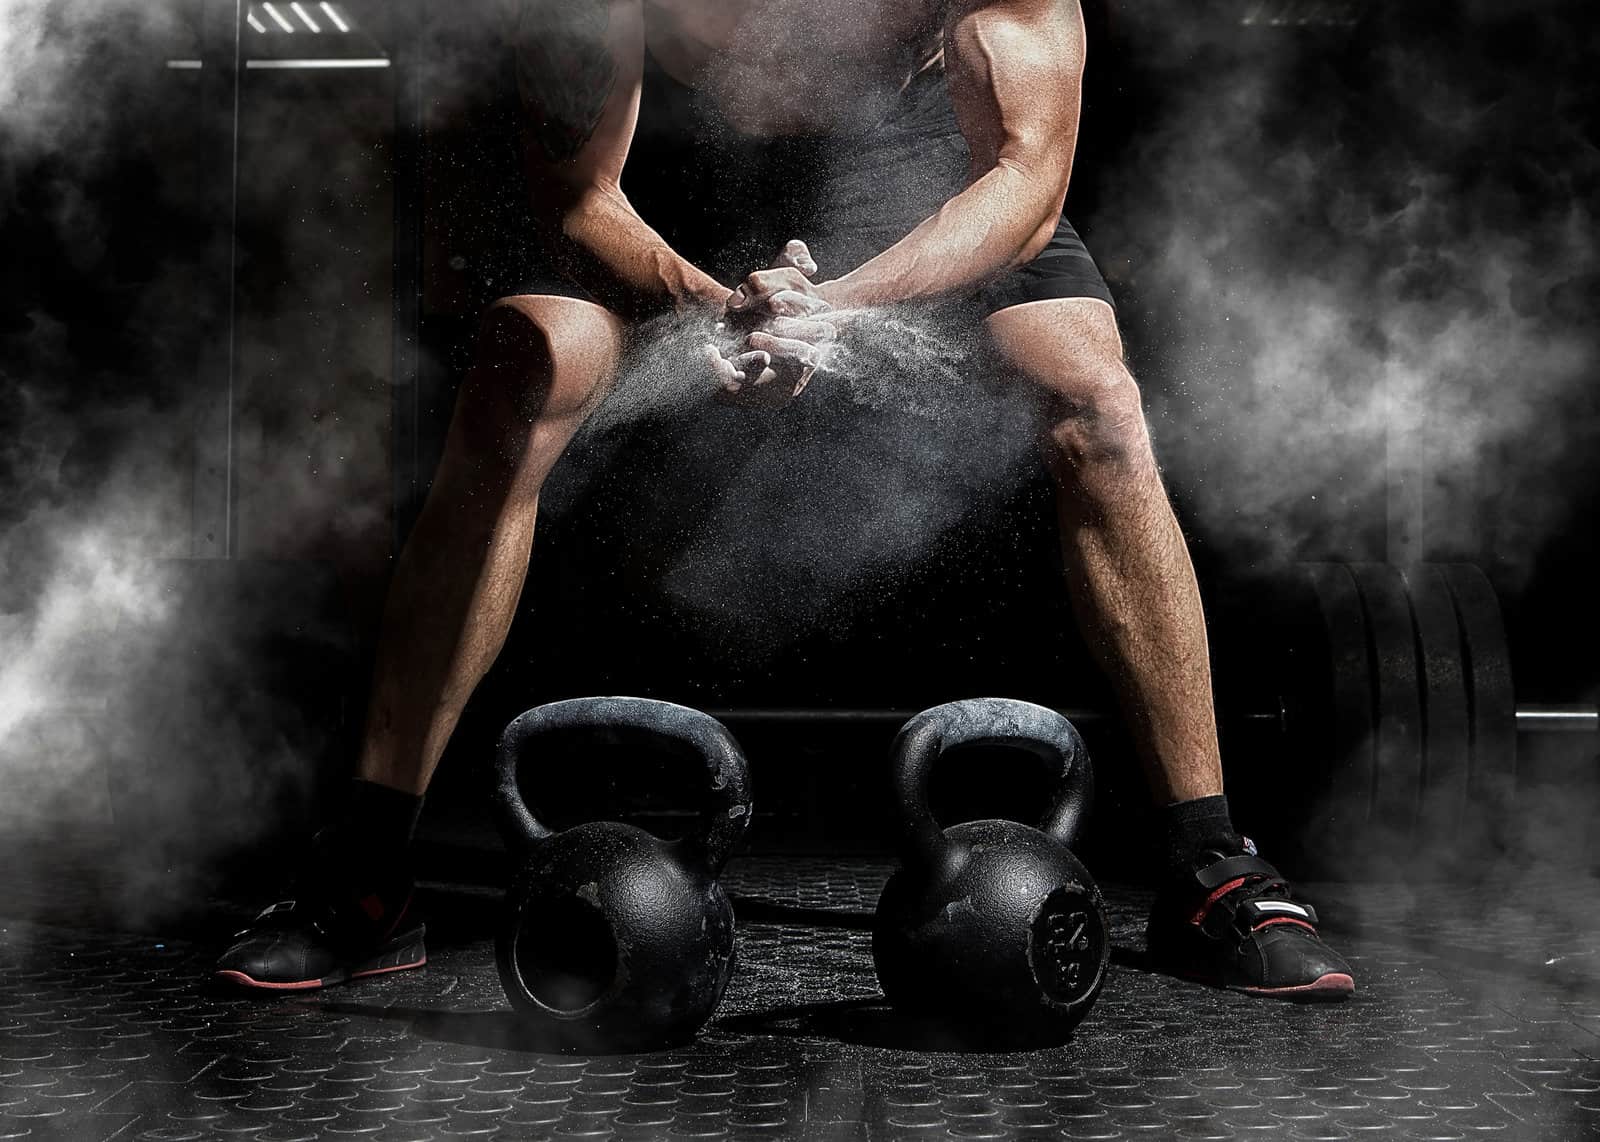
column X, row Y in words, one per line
column 1233, row 924
column 294, row 946
column 351, row 918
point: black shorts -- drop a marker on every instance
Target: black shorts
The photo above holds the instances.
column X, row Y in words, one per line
column 728, row 201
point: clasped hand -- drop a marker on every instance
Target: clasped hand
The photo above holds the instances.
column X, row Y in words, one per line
column 779, row 310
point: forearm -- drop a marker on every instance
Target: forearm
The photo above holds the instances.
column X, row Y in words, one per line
column 602, row 244
column 1001, row 220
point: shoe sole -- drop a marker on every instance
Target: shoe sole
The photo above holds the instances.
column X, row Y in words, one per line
column 243, row 980
column 1333, row 986
column 377, row 965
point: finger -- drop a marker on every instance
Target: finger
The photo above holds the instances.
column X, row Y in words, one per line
column 753, row 365
column 727, row 373
column 756, row 367
column 798, row 255
column 803, row 380
column 792, row 303
column 761, row 285
column 784, row 349
column 719, row 364
column 803, row 329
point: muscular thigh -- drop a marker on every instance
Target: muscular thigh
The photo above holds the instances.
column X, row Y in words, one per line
column 1069, row 347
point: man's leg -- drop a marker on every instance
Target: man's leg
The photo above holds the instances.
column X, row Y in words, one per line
column 1223, row 915
column 542, row 364
column 1128, row 571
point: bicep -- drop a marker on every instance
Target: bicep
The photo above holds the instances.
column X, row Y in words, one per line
column 1015, row 69
column 579, row 67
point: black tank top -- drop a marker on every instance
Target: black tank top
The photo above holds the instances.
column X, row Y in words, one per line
column 724, row 199
column 728, row 201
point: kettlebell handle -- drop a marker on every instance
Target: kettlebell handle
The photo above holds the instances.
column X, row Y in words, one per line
column 998, row 721
column 726, row 812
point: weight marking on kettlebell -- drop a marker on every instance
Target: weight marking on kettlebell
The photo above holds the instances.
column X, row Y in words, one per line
column 1057, row 926
column 1063, row 944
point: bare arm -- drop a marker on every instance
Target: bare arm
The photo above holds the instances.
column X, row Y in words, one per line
column 1015, row 69
column 580, row 64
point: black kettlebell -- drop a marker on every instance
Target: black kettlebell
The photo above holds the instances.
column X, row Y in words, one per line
column 613, row 939
column 992, row 927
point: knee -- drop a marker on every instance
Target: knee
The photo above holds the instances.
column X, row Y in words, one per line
column 1095, row 423
column 534, row 359
column 513, row 358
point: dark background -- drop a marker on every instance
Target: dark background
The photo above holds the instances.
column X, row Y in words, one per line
column 1353, row 248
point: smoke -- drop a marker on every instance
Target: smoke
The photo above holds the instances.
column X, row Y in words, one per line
column 65, row 558
column 146, row 720
column 1368, row 275
column 46, row 46
column 145, row 716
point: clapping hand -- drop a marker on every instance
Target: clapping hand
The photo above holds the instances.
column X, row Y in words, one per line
column 786, row 332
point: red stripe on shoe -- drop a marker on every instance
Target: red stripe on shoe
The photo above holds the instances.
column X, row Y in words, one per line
column 239, row 977
column 1200, row 914
column 1331, row 985
column 1334, row 983
column 1276, row 920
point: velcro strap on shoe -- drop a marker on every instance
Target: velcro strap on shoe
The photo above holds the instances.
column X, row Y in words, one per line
column 1253, row 913
column 284, row 916
column 284, row 912
column 1243, row 866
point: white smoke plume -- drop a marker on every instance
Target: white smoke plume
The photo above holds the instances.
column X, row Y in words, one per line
column 125, row 727
column 1346, row 284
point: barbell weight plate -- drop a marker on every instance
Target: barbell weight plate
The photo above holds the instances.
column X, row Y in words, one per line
column 1350, row 777
column 1492, row 759
column 1397, row 721
column 1446, row 714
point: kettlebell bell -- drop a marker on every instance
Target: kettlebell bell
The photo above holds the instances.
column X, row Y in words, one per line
column 611, row 938
column 992, row 927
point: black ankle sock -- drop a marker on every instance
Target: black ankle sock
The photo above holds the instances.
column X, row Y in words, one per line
column 1195, row 826
column 379, row 820
column 360, row 863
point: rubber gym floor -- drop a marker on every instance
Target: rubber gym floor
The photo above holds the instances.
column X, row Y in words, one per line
column 1470, row 1022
